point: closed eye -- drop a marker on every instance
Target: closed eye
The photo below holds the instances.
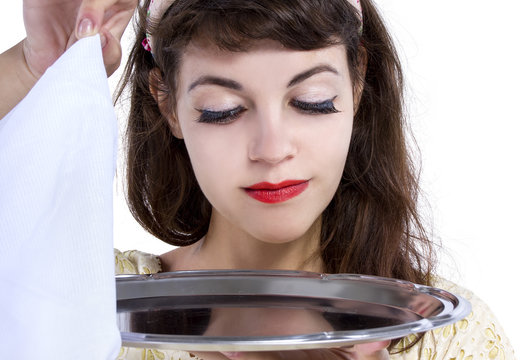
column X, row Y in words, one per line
column 220, row 117
column 315, row 108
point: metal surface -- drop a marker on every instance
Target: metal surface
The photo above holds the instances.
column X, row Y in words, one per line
column 275, row 310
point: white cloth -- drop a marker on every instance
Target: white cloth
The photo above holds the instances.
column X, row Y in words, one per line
column 57, row 162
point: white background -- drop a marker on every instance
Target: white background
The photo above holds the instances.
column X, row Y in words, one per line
column 465, row 65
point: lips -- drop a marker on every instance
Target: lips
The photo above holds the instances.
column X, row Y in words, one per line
column 275, row 193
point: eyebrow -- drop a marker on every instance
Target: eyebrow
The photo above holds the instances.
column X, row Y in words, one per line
column 231, row 84
column 313, row 71
column 214, row 80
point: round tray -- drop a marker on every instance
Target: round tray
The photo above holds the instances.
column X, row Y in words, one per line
column 275, row 310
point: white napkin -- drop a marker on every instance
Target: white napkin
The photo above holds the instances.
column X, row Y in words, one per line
column 57, row 162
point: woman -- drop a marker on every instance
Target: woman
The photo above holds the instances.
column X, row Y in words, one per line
column 270, row 135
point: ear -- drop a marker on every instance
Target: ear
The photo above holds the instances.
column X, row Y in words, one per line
column 159, row 92
column 358, row 83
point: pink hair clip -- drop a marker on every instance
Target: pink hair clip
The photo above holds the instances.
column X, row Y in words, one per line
column 152, row 7
column 146, row 43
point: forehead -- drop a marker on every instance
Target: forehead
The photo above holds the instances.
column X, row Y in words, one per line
column 265, row 60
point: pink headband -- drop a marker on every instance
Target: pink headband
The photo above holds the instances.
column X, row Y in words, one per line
column 157, row 8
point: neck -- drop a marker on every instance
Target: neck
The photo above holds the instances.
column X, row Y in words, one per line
column 228, row 247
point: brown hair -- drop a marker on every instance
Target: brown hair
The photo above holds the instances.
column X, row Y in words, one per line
column 372, row 225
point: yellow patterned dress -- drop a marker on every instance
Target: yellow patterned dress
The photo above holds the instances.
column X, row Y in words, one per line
column 477, row 337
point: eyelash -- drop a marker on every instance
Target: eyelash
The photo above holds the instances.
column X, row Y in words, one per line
column 324, row 107
column 228, row 116
column 220, row 117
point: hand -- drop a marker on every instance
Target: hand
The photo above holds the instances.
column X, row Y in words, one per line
column 370, row 351
column 52, row 26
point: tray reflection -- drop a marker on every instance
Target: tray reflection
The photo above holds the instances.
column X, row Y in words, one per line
column 237, row 316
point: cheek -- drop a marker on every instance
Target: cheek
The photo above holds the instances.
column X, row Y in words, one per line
column 216, row 156
column 329, row 144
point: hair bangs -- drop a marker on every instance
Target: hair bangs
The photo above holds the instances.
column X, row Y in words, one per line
column 234, row 25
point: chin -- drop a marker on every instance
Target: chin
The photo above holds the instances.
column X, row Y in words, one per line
column 282, row 232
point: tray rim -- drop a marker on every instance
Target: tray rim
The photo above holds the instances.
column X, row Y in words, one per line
column 456, row 310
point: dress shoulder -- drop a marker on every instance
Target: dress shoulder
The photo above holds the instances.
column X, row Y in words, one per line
column 136, row 262
column 478, row 336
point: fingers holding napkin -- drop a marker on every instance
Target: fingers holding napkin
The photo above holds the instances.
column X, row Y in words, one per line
column 57, row 163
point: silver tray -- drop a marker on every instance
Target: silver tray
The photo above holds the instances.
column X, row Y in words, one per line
column 275, row 310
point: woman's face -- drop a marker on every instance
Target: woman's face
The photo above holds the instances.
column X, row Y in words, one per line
column 267, row 132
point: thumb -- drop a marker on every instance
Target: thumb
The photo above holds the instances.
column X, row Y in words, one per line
column 89, row 18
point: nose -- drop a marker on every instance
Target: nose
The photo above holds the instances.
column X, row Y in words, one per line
column 273, row 140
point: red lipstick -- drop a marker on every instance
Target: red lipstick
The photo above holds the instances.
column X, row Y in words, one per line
column 275, row 193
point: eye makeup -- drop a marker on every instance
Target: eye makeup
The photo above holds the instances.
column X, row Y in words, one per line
column 315, row 108
column 227, row 116
column 220, row 117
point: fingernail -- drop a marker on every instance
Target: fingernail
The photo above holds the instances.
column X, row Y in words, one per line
column 85, row 28
column 103, row 40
